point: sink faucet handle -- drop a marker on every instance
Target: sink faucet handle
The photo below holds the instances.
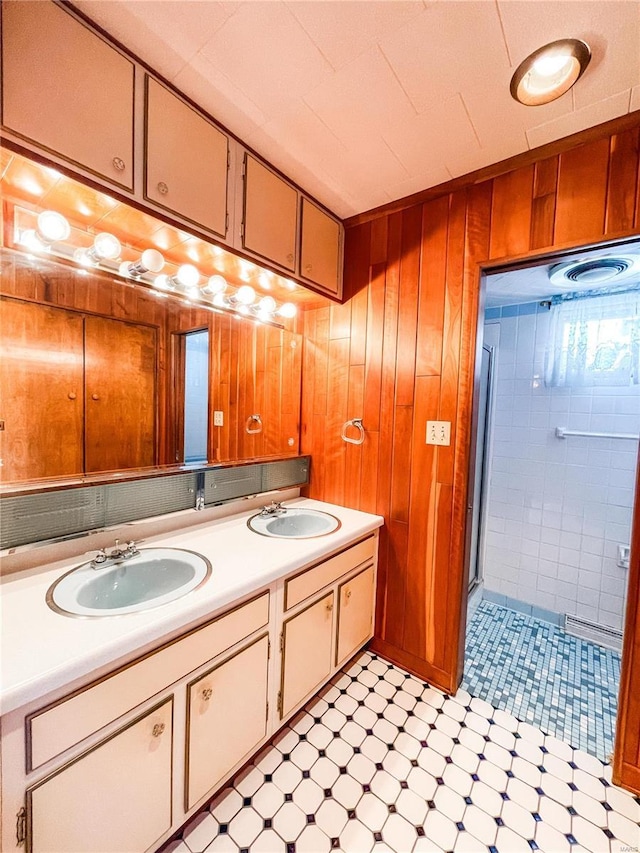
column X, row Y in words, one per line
column 132, row 549
column 100, row 557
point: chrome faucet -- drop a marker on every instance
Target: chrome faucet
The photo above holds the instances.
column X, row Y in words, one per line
column 272, row 509
column 105, row 558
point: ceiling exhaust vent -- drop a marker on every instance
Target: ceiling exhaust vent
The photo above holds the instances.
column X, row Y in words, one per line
column 594, row 271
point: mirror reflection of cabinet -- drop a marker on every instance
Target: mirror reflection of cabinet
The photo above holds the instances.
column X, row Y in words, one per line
column 77, row 392
column 70, row 320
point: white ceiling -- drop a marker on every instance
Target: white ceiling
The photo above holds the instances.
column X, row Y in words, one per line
column 532, row 284
column 365, row 101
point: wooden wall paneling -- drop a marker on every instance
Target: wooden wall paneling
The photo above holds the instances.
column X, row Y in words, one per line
column 374, row 345
column 319, row 403
column 452, row 328
column 622, row 181
column 419, row 630
column 336, row 415
column 272, row 429
column 390, row 612
column 435, row 221
column 543, row 208
column 511, row 213
column 353, row 453
column 582, row 190
column 379, row 240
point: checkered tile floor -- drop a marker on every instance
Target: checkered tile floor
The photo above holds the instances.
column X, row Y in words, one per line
column 543, row 675
column 380, row 761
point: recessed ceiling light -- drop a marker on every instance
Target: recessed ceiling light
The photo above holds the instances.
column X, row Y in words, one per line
column 550, row 71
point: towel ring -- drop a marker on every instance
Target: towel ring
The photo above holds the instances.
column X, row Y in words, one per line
column 254, row 419
column 357, row 423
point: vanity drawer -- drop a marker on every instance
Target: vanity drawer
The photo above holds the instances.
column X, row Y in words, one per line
column 67, row 722
column 317, row 577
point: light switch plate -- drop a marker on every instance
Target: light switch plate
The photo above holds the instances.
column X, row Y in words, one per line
column 439, row 432
column 218, row 418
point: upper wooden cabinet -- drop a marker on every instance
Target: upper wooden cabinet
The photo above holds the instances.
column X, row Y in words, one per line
column 186, row 160
column 320, row 249
column 270, row 215
column 67, row 90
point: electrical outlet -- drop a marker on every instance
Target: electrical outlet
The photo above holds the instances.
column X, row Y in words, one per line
column 218, row 418
column 439, row 432
column 624, row 552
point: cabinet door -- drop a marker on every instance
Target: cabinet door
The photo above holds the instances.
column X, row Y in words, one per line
column 186, row 160
column 270, row 215
column 67, row 90
column 41, row 391
column 355, row 614
column 114, row 799
column 120, row 395
column 320, row 248
column 307, row 652
column 227, row 717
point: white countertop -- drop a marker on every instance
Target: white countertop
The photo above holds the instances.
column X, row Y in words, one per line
column 43, row 651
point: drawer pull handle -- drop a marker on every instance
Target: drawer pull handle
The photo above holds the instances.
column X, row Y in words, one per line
column 207, row 693
column 71, row 395
column 163, row 189
column 158, row 729
column 118, row 164
column 95, row 396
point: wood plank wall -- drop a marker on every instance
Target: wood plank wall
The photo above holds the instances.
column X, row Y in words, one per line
column 401, row 351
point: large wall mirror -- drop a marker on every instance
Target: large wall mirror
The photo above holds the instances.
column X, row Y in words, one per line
column 97, row 375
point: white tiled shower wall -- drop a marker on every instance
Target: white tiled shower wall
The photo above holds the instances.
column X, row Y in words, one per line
column 557, row 508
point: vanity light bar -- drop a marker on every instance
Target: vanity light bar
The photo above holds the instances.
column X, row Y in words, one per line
column 52, row 235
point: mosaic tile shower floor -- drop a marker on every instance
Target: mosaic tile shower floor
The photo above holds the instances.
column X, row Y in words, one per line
column 380, row 761
column 541, row 674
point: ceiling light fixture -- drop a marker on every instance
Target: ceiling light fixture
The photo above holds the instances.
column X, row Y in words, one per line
column 550, row 71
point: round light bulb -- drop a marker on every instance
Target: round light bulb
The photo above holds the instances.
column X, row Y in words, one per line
column 83, row 257
column 246, row 295
column 30, row 240
column 267, row 305
column 53, row 227
column 187, row 275
column 152, row 260
column 163, row 282
column 193, row 292
column 216, row 284
column 106, row 246
column 288, row 309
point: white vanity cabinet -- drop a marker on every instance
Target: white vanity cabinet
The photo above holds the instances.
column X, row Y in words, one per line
column 116, row 797
column 118, row 762
column 312, row 640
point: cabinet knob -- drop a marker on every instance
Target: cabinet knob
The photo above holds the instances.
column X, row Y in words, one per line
column 330, row 607
column 118, row 164
column 207, row 693
column 308, row 268
column 95, row 396
column 158, row 729
column 163, row 189
column 347, row 594
column 290, row 257
column 71, row 395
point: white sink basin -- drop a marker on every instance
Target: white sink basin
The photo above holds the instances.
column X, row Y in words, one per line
column 294, row 523
column 155, row 577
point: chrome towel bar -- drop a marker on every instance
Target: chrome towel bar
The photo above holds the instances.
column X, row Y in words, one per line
column 561, row 432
